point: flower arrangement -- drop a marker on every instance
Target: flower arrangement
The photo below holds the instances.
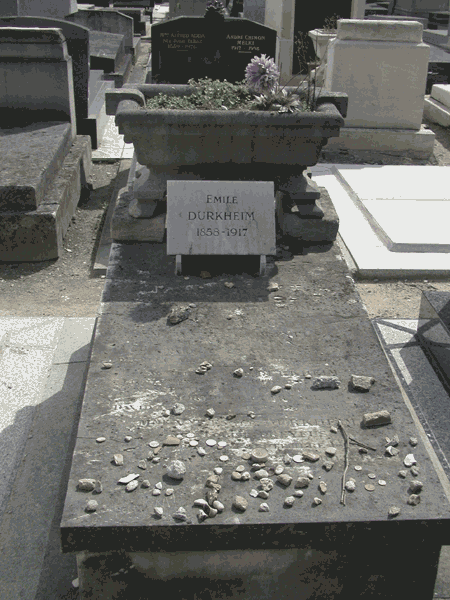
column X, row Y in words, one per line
column 214, row 7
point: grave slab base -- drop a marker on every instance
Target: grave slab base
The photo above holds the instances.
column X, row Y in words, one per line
column 420, row 142
column 38, row 235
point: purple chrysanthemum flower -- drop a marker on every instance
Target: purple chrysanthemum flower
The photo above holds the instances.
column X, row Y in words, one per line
column 262, row 74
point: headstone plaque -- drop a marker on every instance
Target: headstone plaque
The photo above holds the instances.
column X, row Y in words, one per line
column 193, row 47
column 220, row 217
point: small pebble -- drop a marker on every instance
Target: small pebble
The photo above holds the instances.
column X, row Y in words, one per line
column 311, row 476
column 289, row 501
column 253, row 493
column 218, row 470
column 201, row 451
column 229, row 284
column 413, row 441
column 156, row 492
column 224, row 458
column 156, row 460
column 317, row 501
column 381, row 417
column 371, row 476
column 334, row 429
column 391, row 451
column 251, row 414
column 393, row 442
column 230, row 417
column 169, row 492
column 142, row 464
column 330, row 382
column 288, row 386
column 127, row 438
column 363, row 450
column 235, row 476
column 273, row 287
column 276, row 389
column 298, row 493
column 240, row 469
column 361, row 383
column 350, row 486
column 212, row 512
column 129, row 478
column 284, row 479
column 381, row 482
column 245, row 476
column 240, row 503
column 261, row 473
column 264, row 507
column 256, row 467
column 415, row 487
column 132, row 485
column 369, row 487
column 263, row 494
column 107, row 365
column 159, row 511
column 178, row 408
column 302, row 482
column 99, row 440
column 176, row 469
column 159, row 485
column 145, row 483
column 358, row 468
column 310, row 456
column 193, row 443
column 210, row 413
column 297, row 458
column 402, row 473
column 394, row 511
column 409, row 460
column 323, row 487
column 118, row 460
column 171, row 440
column 414, row 500
column 415, row 470
column 221, row 444
column 211, row 442
column 202, row 515
column 218, row 506
column 180, row 515
column 279, row 470
column 91, row 506
column 86, row 485
column 328, row 465
column 238, row 372
column 266, row 484
column 287, row 459
column 330, row 451
column 154, row 444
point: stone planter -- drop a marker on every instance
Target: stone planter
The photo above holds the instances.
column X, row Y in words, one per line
column 222, row 145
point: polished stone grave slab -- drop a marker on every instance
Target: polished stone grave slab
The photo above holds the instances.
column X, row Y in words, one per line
column 141, row 366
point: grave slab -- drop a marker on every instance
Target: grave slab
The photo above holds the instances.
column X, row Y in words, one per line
column 365, row 253
column 314, row 323
column 408, row 214
column 437, row 106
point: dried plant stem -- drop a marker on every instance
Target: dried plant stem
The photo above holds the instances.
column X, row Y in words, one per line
column 344, row 474
column 352, row 439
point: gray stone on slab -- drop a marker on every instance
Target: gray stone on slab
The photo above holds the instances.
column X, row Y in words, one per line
column 36, row 235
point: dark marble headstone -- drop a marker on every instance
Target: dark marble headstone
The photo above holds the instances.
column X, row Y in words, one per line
column 313, row 16
column 194, row 47
column 77, row 38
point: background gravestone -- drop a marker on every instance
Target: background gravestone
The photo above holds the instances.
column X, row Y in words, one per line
column 37, row 8
column 77, row 39
column 192, row 47
column 108, row 21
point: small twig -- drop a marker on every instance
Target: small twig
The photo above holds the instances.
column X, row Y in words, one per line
column 344, row 474
column 352, row 439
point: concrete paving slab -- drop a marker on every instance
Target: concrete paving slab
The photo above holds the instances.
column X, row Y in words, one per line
column 369, row 256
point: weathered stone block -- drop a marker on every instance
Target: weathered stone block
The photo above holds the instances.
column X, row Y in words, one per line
column 313, row 230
